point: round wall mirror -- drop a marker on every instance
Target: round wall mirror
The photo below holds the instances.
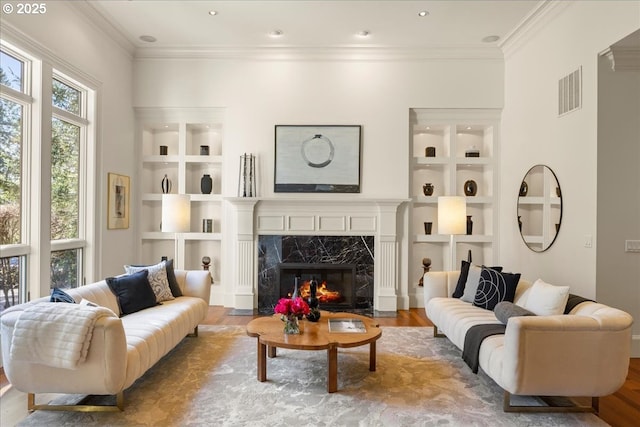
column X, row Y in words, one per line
column 539, row 208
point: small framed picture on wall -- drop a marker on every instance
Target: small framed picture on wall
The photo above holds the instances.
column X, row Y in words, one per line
column 118, row 201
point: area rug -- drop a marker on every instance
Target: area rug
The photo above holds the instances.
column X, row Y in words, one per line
column 211, row 381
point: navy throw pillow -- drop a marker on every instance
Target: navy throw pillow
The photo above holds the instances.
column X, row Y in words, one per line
column 495, row 287
column 173, row 282
column 171, row 278
column 58, row 295
column 462, row 280
column 132, row 291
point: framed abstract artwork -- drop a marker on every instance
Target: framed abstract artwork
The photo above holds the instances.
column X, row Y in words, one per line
column 317, row 159
column 118, row 213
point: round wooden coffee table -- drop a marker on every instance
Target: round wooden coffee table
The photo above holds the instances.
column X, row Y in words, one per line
column 314, row 336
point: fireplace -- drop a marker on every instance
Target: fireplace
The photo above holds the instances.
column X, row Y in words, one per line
column 342, row 266
column 336, row 287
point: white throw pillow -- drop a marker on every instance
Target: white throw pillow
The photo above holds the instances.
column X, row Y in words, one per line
column 546, row 299
column 473, row 280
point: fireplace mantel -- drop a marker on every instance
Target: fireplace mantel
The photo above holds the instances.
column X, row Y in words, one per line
column 335, row 215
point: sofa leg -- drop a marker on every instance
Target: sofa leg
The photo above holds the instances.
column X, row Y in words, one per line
column 80, row 407
column 436, row 333
column 508, row 407
column 194, row 333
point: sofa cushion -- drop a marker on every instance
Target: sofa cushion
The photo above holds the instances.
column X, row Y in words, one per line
column 471, row 285
column 173, row 281
column 171, row 277
column 454, row 317
column 132, row 291
column 546, row 299
column 157, row 279
column 495, row 287
column 506, row 309
column 462, row 281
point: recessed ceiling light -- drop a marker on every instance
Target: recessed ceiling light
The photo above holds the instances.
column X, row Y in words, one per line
column 468, row 127
column 148, row 39
column 428, row 127
column 276, row 33
column 363, row 33
column 213, row 12
column 490, row 39
column 423, row 13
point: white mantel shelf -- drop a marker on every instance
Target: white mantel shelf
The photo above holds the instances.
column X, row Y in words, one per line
column 316, row 200
column 320, row 215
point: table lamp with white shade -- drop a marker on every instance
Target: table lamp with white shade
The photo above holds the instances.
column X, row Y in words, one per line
column 176, row 218
column 452, row 220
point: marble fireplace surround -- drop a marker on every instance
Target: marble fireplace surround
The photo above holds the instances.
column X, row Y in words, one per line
column 335, row 216
column 343, row 263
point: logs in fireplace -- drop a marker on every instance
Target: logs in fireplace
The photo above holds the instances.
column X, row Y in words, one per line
column 336, row 289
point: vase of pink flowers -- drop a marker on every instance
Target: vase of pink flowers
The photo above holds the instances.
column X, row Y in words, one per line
column 291, row 310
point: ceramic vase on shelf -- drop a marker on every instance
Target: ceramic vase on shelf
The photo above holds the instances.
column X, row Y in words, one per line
column 427, row 189
column 430, row 151
column 428, row 225
column 206, row 184
column 524, row 189
column 165, row 184
column 520, row 223
column 470, row 188
column 204, row 150
column 469, row 225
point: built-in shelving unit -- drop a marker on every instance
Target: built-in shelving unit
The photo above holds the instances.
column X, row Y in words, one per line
column 183, row 132
column 453, row 132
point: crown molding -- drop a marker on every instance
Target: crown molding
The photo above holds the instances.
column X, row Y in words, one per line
column 36, row 50
column 624, row 58
column 536, row 19
column 89, row 12
column 355, row 53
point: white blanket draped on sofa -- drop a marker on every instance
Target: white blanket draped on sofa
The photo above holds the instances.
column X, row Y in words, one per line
column 55, row 334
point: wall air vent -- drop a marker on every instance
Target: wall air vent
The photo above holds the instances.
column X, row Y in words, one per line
column 570, row 92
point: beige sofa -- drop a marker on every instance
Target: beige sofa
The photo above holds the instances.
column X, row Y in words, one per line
column 121, row 350
column 583, row 353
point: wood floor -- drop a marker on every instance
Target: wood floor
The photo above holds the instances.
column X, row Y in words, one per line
column 621, row 409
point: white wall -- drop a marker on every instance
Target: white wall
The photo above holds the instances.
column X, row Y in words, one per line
column 74, row 43
column 532, row 133
column 378, row 95
column 374, row 94
column 618, row 272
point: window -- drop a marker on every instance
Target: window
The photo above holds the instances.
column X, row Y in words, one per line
column 68, row 128
column 37, row 231
column 14, row 104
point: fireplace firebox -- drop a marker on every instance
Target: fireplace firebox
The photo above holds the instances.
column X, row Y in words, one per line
column 336, row 290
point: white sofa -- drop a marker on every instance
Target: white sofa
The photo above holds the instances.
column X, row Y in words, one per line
column 583, row 353
column 121, row 350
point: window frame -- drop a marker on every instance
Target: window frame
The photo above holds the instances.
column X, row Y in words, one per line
column 36, row 246
column 24, row 98
column 78, row 243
